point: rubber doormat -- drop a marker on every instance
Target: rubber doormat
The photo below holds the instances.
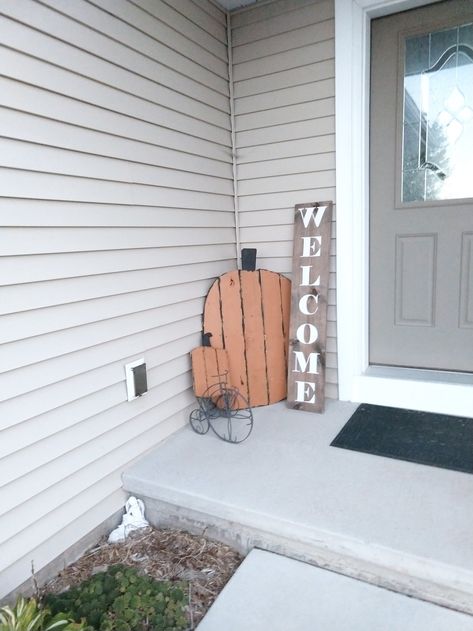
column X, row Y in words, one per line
column 437, row 440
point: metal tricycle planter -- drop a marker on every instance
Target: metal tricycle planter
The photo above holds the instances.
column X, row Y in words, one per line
column 225, row 410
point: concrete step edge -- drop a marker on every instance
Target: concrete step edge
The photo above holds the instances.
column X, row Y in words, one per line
column 407, row 574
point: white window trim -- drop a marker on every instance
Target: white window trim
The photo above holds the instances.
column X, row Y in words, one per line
column 422, row 390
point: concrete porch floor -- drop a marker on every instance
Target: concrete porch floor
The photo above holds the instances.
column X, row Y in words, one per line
column 403, row 526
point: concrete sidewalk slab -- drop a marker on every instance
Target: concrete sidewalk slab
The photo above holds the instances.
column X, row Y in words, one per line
column 272, row 592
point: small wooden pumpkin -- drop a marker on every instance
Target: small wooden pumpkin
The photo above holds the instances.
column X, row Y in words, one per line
column 209, row 367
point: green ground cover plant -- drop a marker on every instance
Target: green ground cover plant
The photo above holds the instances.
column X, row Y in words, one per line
column 120, row 599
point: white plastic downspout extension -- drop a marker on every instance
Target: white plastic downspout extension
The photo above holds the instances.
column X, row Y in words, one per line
column 233, row 140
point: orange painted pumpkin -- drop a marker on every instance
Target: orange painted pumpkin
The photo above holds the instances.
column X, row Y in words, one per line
column 247, row 313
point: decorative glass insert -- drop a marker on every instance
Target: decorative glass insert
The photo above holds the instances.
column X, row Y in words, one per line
column 437, row 155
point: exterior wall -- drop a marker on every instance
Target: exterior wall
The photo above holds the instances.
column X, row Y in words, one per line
column 283, row 55
column 117, row 207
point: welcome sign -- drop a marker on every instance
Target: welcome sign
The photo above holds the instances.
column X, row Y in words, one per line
column 308, row 327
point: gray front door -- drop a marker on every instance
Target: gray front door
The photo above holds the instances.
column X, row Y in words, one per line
column 421, row 188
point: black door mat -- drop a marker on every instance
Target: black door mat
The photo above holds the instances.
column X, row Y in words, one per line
column 437, row 440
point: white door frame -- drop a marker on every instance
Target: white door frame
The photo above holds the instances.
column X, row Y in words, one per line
column 447, row 393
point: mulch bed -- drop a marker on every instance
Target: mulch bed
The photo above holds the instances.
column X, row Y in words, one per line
column 164, row 555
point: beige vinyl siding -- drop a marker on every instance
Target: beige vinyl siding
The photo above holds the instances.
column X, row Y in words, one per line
column 116, row 207
column 283, row 70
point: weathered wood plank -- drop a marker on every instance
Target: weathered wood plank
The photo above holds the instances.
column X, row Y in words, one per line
column 213, row 315
column 232, row 318
column 211, row 365
column 285, row 285
column 308, row 329
column 254, row 335
column 199, row 382
column 274, row 335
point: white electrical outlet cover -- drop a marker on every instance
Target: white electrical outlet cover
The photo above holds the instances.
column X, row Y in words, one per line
column 130, row 382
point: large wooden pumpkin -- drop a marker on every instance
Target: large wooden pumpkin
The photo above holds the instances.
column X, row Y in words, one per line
column 247, row 313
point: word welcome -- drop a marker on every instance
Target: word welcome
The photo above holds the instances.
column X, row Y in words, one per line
column 306, row 370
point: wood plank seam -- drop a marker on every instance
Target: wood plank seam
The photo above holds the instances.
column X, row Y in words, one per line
column 264, row 337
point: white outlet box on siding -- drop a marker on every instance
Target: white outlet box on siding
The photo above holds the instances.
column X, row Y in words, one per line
column 130, row 381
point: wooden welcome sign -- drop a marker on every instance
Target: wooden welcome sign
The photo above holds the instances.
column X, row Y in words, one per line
column 308, row 327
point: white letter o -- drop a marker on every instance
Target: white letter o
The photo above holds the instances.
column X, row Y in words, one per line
column 312, row 331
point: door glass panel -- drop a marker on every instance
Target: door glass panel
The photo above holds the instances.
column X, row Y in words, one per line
column 437, row 156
